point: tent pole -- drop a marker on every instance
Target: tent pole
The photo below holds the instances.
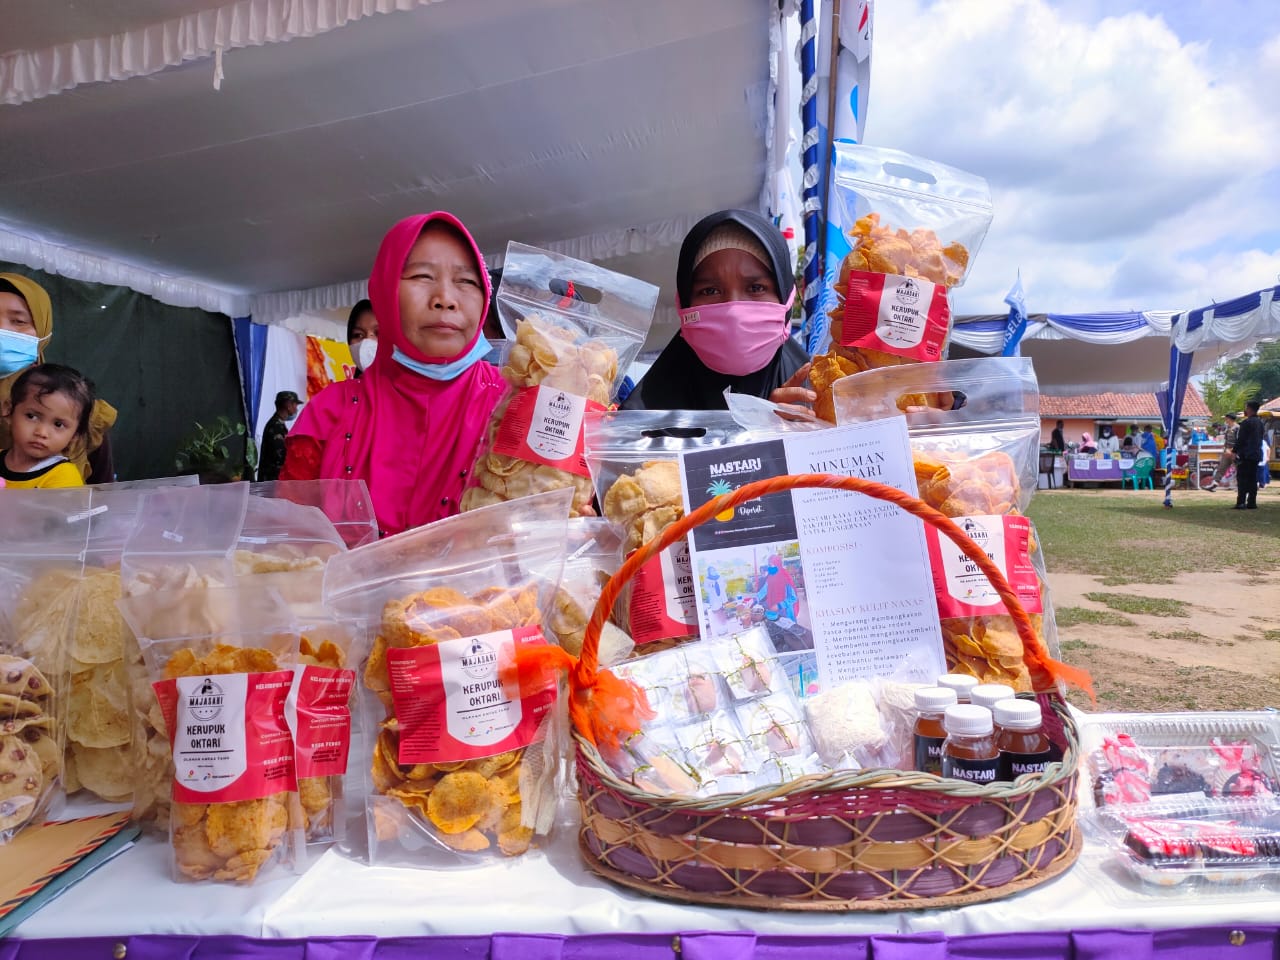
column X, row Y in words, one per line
column 812, row 207
column 829, row 145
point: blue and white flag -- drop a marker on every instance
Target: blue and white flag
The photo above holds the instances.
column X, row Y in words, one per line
column 1017, row 325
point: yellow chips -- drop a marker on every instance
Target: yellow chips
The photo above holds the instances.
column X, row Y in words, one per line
column 547, row 355
column 645, row 503
column 233, row 840
column 467, row 805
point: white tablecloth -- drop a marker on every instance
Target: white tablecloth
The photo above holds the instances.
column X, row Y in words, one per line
column 554, row 893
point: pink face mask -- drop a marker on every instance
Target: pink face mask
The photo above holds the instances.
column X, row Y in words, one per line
column 738, row 337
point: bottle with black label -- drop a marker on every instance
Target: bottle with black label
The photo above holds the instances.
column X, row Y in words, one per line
column 1024, row 748
column 961, row 683
column 970, row 752
column 931, row 702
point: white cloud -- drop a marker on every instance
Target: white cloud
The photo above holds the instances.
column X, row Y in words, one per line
column 1130, row 169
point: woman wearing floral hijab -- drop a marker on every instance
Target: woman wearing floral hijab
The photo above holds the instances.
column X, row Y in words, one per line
column 26, row 325
column 410, row 427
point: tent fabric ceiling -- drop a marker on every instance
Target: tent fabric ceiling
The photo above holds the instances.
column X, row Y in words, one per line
column 605, row 126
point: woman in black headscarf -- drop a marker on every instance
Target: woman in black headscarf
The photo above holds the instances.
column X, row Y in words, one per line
column 734, row 290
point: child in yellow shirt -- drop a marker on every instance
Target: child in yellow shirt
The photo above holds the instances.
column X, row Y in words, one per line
column 48, row 407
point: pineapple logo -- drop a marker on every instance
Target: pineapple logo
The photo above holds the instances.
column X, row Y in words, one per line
column 717, row 488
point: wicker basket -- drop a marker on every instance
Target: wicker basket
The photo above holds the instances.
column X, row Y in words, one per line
column 851, row 840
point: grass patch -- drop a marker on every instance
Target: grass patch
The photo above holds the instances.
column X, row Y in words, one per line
column 1150, row 606
column 1271, row 636
column 1074, row 616
column 1132, row 539
column 1187, row 636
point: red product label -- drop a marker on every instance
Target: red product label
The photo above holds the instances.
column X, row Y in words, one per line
column 962, row 588
column 319, row 712
column 904, row 316
column 229, row 735
column 662, row 601
column 452, row 705
column 544, row 425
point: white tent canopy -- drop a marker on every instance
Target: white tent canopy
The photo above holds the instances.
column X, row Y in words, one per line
column 601, row 129
column 1226, row 330
column 1078, row 354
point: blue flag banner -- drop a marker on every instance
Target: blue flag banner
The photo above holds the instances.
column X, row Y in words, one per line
column 1017, row 324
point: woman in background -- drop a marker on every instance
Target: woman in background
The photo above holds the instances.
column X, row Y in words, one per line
column 26, row 326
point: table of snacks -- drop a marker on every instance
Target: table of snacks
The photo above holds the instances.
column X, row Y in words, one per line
column 1090, row 470
column 551, row 906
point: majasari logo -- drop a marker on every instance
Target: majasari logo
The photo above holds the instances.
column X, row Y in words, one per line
column 479, row 661
column 974, row 530
column 908, row 292
column 560, row 405
column 206, row 703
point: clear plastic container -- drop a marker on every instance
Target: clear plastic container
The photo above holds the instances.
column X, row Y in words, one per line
column 929, row 735
column 970, row 752
column 1188, row 801
column 989, row 694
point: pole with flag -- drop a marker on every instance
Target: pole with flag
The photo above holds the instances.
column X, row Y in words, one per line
column 1017, row 325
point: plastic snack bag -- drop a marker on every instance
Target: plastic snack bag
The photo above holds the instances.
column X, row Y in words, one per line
column 184, row 538
column 42, row 540
column 594, row 555
column 634, row 456
column 572, row 330
column 463, row 760
column 908, row 230
column 976, row 463
column 346, row 504
column 221, row 662
column 99, row 725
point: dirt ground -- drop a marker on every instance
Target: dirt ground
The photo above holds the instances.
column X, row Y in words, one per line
column 1224, row 655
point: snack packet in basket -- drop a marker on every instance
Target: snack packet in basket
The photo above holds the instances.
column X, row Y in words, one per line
column 42, row 539
column 976, row 463
column 907, row 230
column 634, row 456
column 221, row 662
column 463, row 756
column 572, row 330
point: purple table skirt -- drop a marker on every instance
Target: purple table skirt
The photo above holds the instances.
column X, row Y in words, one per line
column 1235, row 943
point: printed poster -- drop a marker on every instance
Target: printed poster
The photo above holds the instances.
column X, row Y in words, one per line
column 839, row 573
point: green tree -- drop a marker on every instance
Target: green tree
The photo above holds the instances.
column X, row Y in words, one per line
column 1223, row 395
column 1260, row 367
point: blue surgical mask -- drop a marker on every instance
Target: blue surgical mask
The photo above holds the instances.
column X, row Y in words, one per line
column 17, row 351
column 444, row 371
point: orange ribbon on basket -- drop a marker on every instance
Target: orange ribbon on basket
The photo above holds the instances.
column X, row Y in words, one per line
column 603, row 706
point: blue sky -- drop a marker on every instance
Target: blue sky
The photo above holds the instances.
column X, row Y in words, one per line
column 1132, row 146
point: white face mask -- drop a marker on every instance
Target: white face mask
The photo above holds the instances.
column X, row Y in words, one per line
column 365, row 352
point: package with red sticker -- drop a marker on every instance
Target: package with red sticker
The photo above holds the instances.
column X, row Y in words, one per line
column 634, row 456
column 572, row 330
column 463, row 752
column 222, row 663
column 903, row 232
column 975, row 460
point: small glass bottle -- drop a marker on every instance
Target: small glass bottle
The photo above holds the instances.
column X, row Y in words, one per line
column 970, row 750
column 961, row 683
column 929, row 735
column 1020, row 736
column 989, row 694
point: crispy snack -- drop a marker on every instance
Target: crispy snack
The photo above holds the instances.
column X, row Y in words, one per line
column 548, row 355
column 464, row 802
column 30, row 762
column 882, row 249
column 988, row 647
column 646, row 502
column 317, row 794
column 225, row 841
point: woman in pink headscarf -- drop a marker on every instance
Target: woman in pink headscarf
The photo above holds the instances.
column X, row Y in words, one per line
column 411, row 426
